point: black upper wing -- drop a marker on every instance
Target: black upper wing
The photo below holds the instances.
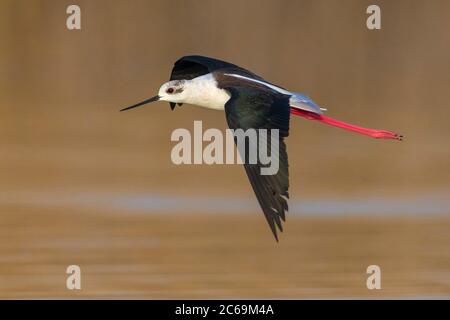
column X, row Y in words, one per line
column 256, row 108
column 190, row 67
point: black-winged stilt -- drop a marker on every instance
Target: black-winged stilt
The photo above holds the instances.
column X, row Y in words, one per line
column 249, row 102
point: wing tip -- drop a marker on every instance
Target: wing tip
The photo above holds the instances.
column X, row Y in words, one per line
column 274, row 231
column 273, row 228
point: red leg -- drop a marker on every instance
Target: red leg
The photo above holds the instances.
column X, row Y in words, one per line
column 379, row 134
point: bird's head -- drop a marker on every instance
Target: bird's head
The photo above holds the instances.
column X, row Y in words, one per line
column 172, row 91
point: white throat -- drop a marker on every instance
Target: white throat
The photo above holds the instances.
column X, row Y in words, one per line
column 202, row 91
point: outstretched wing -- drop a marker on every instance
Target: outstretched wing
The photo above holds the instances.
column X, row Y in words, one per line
column 258, row 108
column 190, row 67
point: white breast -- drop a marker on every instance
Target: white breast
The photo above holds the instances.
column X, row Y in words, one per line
column 202, row 91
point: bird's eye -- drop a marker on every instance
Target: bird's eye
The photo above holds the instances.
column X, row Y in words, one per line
column 170, row 90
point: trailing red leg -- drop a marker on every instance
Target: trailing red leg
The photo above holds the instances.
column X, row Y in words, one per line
column 378, row 134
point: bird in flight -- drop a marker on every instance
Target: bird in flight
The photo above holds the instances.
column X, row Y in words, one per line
column 250, row 102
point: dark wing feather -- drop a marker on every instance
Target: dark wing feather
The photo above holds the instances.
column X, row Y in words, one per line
column 190, row 67
column 264, row 109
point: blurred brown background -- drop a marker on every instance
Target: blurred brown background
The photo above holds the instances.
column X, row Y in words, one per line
column 64, row 146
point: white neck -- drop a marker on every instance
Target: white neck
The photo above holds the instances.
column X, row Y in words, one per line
column 202, row 91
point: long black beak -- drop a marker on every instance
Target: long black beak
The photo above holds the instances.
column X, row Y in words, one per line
column 152, row 99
